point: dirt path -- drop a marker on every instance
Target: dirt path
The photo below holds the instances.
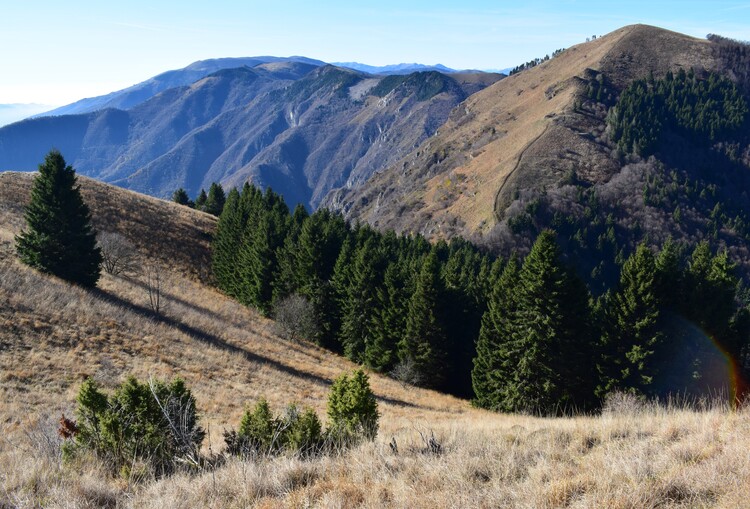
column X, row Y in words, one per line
column 511, row 172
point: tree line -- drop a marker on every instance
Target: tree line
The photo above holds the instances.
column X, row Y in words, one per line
column 517, row 335
column 211, row 202
column 383, row 300
column 534, row 62
column 546, row 345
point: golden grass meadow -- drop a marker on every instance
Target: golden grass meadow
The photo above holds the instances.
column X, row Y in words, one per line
column 53, row 335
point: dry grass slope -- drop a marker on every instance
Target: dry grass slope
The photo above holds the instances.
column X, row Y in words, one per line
column 522, row 132
column 52, row 335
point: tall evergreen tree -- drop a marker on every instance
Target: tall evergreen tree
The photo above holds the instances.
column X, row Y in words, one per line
column 633, row 337
column 496, row 358
column 256, row 265
column 59, row 238
column 466, row 301
column 226, row 245
column 341, row 280
column 320, row 241
column 551, row 332
column 711, row 290
column 389, row 327
column 359, row 307
column 215, row 200
column 424, row 342
column 258, row 255
column 285, row 282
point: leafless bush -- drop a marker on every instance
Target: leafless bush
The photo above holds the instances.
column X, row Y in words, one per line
column 406, row 373
column 118, row 254
column 295, row 318
column 623, row 403
column 431, row 444
column 179, row 414
column 45, row 440
column 154, row 282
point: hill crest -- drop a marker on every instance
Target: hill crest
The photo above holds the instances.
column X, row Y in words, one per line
column 521, row 133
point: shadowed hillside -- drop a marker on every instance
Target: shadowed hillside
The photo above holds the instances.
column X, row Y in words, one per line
column 54, row 334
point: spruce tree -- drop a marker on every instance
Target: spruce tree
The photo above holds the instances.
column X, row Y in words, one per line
column 59, row 238
column 181, row 197
column 256, row 265
column 389, row 322
column 320, row 241
column 551, row 333
column 258, row 262
column 633, row 337
column 359, row 305
column 226, row 245
column 285, row 281
column 466, row 302
column 425, row 342
column 495, row 359
column 200, row 201
column 711, row 287
column 215, row 199
column 341, row 280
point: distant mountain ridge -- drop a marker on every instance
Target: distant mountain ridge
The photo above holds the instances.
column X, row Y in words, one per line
column 295, row 125
column 394, row 68
column 132, row 96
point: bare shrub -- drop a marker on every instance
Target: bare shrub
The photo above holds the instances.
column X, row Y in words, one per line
column 623, row 403
column 118, row 254
column 406, row 373
column 295, row 318
column 154, row 282
column 431, row 444
column 44, row 439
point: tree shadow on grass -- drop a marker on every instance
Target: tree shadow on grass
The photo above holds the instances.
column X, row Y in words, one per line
column 219, row 343
column 170, row 297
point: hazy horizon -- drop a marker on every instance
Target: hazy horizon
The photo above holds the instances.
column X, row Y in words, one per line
column 66, row 52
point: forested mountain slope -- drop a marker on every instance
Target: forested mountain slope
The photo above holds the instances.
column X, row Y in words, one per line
column 542, row 148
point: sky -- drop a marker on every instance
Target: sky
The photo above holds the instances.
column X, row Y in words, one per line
column 56, row 52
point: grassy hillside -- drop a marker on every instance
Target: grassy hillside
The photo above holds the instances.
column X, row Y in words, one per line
column 525, row 133
column 53, row 335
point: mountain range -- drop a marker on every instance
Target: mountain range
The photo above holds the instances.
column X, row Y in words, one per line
column 132, row 96
column 395, row 68
column 294, row 124
column 438, row 152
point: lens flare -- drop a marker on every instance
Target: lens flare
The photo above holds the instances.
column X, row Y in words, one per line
column 698, row 365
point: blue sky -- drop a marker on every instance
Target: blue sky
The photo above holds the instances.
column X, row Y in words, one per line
column 56, row 52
